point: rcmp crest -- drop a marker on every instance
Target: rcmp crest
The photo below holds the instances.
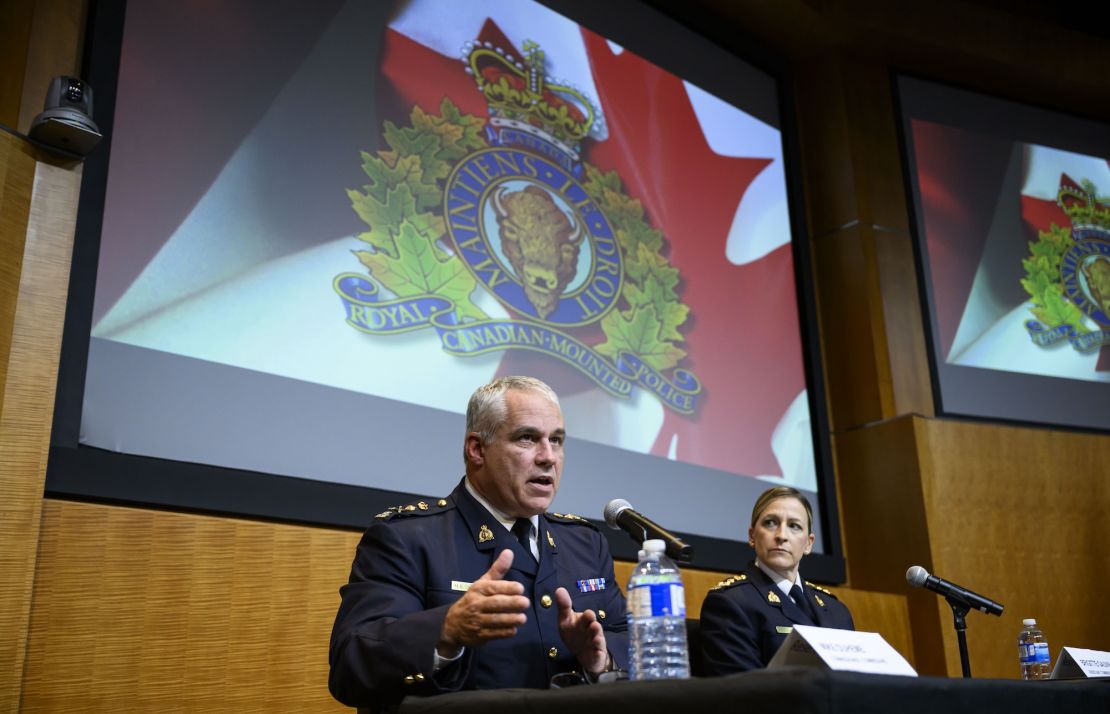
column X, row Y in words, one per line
column 505, row 204
column 1068, row 273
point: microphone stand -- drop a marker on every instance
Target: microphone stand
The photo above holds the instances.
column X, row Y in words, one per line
column 958, row 611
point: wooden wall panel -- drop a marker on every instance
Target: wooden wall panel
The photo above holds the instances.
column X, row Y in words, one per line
column 17, row 174
column 885, row 527
column 144, row 610
column 15, row 31
column 1017, row 514
column 1012, row 513
column 38, row 204
column 903, row 324
column 832, row 196
column 37, row 209
column 857, row 370
column 884, row 522
column 141, row 610
column 54, row 48
column 869, row 315
column 19, row 499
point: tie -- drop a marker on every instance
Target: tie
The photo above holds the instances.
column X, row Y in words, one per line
column 522, row 529
column 803, row 602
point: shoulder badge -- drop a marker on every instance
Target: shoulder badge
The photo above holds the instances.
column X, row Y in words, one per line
column 569, row 518
column 730, row 581
column 818, row 587
column 411, row 509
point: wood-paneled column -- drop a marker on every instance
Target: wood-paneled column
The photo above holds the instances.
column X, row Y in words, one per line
column 871, row 327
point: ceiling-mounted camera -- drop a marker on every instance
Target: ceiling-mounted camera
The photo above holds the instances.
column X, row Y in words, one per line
column 66, row 121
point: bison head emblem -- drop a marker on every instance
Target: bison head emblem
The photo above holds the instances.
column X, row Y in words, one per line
column 1097, row 273
column 540, row 242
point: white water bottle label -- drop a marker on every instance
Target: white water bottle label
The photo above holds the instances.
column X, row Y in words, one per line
column 657, row 600
column 1034, row 653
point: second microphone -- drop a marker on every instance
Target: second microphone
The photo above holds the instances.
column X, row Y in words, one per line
column 619, row 515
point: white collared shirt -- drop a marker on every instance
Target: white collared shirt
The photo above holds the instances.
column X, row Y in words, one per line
column 780, row 582
column 507, row 521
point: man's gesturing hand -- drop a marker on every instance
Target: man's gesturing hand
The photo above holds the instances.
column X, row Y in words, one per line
column 582, row 633
column 491, row 609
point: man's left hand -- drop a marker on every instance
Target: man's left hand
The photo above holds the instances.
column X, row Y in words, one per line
column 582, row 633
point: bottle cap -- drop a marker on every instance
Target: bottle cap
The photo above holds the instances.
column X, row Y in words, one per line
column 1029, row 622
column 655, row 545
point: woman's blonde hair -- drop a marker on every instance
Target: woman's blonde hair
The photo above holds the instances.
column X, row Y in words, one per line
column 771, row 494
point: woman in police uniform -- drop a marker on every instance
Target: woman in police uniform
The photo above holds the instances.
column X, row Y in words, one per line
column 746, row 617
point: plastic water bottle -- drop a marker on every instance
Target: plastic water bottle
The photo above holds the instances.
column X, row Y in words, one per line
column 1033, row 651
column 657, row 616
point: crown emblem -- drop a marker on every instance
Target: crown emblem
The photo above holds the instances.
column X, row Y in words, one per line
column 526, row 107
column 1088, row 212
column 1068, row 272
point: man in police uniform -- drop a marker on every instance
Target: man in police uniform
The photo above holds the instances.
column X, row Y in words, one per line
column 746, row 617
column 482, row 589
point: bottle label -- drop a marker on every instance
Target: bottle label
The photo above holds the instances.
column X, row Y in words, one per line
column 657, row 600
column 1033, row 653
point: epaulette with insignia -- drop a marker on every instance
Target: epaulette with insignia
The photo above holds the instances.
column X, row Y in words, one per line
column 730, row 581
column 818, row 587
column 569, row 518
column 413, row 509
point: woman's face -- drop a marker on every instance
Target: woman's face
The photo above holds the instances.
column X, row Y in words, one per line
column 781, row 536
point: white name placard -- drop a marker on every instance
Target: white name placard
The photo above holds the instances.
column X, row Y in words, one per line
column 1078, row 663
column 843, row 650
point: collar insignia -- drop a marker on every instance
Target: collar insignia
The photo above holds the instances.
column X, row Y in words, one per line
column 484, row 534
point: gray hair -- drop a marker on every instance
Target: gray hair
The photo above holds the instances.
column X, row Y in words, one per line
column 486, row 410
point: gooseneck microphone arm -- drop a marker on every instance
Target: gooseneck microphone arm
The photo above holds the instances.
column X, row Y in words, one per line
column 619, row 515
column 919, row 577
column 961, row 600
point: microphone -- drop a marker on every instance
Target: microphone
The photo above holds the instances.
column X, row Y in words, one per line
column 620, row 515
column 918, row 577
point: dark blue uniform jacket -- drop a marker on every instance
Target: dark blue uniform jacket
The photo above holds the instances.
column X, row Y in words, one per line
column 745, row 618
column 414, row 562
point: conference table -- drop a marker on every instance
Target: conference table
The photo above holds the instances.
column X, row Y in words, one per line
column 795, row 690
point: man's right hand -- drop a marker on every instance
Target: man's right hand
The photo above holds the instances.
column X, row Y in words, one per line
column 492, row 609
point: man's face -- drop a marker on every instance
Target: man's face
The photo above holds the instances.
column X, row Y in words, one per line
column 781, row 536
column 519, row 471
